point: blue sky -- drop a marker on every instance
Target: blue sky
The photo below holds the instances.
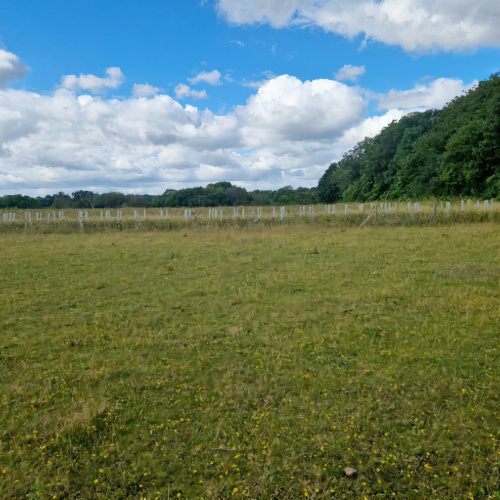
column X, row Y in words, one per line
column 261, row 129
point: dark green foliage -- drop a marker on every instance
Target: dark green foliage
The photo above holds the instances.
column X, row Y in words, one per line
column 448, row 153
column 110, row 200
column 212, row 196
column 219, row 194
column 62, row 201
column 225, row 194
column 83, row 199
column 79, row 199
column 18, row 201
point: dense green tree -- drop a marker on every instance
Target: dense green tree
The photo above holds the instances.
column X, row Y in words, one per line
column 18, row 201
column 237, row 196
column 110, row 200
column 83, row 199
column 451, row 152
column 62, row 200
column 225, row 194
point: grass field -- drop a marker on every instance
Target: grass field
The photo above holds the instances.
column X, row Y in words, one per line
column 251, row 363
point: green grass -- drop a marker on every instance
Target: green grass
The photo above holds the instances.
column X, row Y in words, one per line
column 251, row 363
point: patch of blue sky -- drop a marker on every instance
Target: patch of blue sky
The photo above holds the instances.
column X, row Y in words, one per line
column 244, row 152
column 165, row 43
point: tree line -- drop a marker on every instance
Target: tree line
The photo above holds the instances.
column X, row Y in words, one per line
column 78, row 199
column 213, row 195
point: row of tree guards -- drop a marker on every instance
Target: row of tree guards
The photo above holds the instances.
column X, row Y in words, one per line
column 256, row 213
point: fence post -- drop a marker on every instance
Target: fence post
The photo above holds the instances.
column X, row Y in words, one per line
column 435, row 210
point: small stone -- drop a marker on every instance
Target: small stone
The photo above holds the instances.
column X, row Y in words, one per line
column 350, row 472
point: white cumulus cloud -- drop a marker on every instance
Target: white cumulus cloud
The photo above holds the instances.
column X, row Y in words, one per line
column 212, row 78
column 144, row 90
column 349, row 72
column 11, row 68
column 85, row 99
column 182, row 91
column 93, row 83
column 434, row 95
column 415, row 25
column 65, row 141
column 287, row 133
column 286, row 109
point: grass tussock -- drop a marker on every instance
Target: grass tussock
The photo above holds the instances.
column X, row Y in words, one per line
column 251, row 363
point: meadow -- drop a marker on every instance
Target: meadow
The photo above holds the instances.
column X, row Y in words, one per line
column 251, row 362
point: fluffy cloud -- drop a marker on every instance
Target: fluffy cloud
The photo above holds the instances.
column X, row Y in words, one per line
column 93, row 83
column 182, row 91
column 11, row 68
column 349, row 72
column 434, row 95
column 287, row 133
column 286, row 109
column 65, row 141
column 415, row 25
column 144, row 90
column 369, row 127
column 212, row 78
